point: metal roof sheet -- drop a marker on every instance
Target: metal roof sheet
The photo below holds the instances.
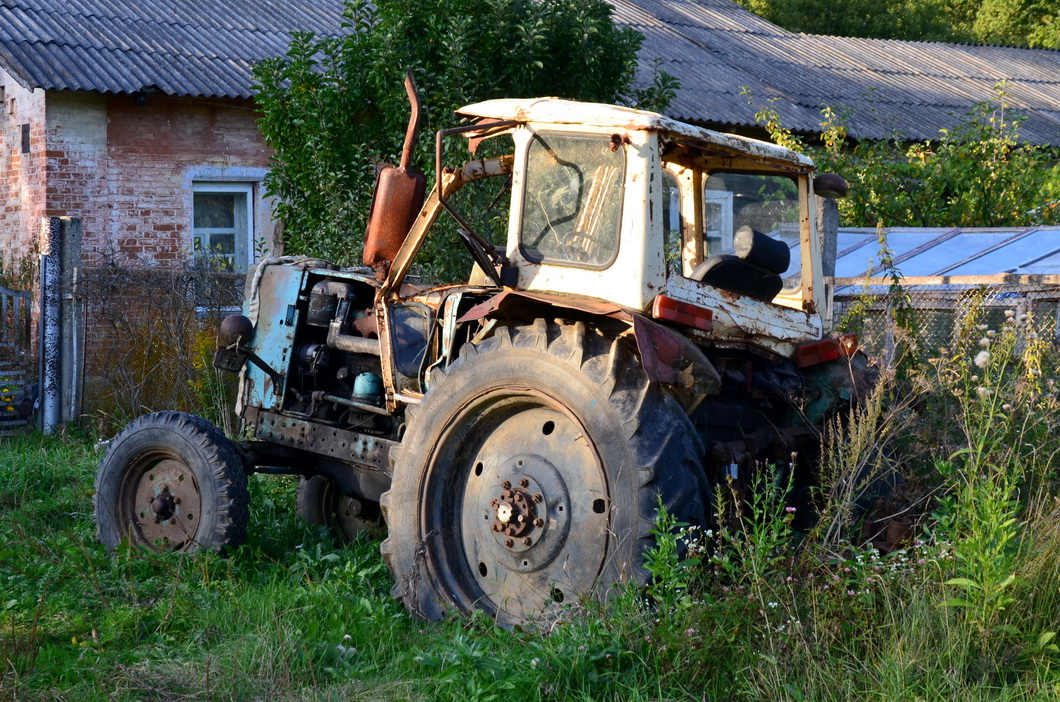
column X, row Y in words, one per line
column 924, row 251
column 714, row 47
column 205, row 48
column 888, row 88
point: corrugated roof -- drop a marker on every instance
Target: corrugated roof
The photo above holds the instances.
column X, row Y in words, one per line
column 887, row 87
column 201, row 48
column 714, row 47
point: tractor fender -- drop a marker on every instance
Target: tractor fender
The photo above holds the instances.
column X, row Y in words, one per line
column 666, row 356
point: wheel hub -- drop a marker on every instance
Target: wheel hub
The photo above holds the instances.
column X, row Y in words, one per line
column 166, row 503
column 514, row 509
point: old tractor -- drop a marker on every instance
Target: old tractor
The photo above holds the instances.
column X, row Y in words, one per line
column 656, row 322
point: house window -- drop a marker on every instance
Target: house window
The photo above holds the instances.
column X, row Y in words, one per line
column 223, row 227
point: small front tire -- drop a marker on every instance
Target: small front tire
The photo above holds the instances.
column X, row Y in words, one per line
column 171, row 481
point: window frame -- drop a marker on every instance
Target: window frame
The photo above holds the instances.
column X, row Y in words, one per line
column 246, row 189
column 539, row 258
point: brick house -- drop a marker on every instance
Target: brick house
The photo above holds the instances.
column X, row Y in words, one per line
column 135, row 118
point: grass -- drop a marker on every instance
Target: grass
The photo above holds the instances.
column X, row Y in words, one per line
column 290, row 615
column 968, row 608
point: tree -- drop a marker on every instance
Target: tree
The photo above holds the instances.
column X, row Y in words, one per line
column 334, row 107
column 1034, row 23
column 1020, row 22
column 978, row 174
column 877, row 19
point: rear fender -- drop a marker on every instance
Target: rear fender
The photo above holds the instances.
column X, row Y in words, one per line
column 666, row 356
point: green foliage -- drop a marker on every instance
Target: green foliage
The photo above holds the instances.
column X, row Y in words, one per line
column 1034, row 23
column 977, row 175
column 890, row 19
column 671, row 575
column 332, row 108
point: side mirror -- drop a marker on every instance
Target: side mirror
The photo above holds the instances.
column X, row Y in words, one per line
column 830, row 186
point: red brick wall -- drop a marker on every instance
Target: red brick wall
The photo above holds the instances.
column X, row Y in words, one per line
column 22, row 176
column 127, row 170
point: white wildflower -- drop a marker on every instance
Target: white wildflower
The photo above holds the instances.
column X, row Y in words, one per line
column 982, row 358
column 984, row 342
column 1010, row 313
column 990, row 334
column 1006, row 407
column 984, row 392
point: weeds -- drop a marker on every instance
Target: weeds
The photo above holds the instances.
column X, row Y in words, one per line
column 773, row 603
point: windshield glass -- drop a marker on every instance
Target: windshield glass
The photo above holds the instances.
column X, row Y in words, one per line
column 766, row 203
column 573, row 202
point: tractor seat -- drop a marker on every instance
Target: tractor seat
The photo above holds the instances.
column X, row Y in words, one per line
column 754, row 268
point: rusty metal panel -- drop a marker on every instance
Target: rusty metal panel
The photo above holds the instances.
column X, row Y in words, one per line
column 666, row 356
column 275, row 321
column 741, row 319
column 341, row 444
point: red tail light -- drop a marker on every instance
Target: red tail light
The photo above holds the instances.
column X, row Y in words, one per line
column 826, row 350
column 671, row 310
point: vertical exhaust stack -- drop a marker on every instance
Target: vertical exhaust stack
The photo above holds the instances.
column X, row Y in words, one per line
column 398, row 197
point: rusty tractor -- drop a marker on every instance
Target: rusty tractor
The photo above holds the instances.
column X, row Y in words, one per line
column 655, row 322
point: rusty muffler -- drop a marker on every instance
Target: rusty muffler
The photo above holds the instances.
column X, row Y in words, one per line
column 397, row 199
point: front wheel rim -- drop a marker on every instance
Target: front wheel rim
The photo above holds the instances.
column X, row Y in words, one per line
column 160, row 499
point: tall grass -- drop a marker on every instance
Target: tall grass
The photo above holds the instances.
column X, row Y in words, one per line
column 773, row 604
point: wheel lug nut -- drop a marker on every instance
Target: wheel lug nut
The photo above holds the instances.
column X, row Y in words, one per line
column 509, row 543
column 537, row 497
column 507, row 484
column 495, row 526
column 539, row 522
column 176, row 500
column 524, row 483
column 527, row 541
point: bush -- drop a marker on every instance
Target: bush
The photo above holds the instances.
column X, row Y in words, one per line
column 333, row 108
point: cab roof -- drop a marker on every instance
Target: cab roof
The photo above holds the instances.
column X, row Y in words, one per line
column 569, row 112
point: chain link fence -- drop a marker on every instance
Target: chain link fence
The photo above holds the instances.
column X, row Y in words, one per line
column 933, row 310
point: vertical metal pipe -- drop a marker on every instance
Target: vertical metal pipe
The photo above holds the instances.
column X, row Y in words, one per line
column 50, row 341
column 71, row 321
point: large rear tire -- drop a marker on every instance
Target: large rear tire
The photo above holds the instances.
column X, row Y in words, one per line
column 171, row 481
column 531, row 473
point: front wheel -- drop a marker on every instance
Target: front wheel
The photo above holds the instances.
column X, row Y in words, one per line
column 530, row 475
column 172, row 482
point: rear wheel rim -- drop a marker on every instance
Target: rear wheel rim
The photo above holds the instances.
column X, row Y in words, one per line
column 519, row 501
